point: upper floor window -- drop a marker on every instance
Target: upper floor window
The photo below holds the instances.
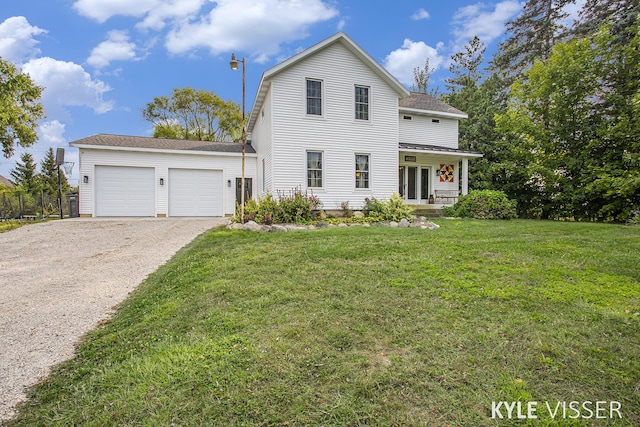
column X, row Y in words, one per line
column 314, row 169
column 314, row 97
column 362, row 103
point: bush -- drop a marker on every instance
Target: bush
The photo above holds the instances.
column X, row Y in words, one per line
column 483, row 204
column 297, row 207
column 395, row 209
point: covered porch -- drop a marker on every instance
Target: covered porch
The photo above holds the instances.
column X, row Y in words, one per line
column 430, row 177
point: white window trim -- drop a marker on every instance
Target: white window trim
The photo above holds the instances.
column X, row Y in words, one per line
column 370, row 103
column 322, row 101
column 322, row 169
column 369, row 171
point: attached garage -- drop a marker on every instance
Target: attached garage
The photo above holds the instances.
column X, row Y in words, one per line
column 125, row 191
column 139, row 176
column 195, row 192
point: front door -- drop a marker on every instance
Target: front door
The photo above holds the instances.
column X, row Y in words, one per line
column 413, row 183
column 247, row 189
column 424, row 185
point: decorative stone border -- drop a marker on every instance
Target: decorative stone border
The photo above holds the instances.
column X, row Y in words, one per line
column 420, row 222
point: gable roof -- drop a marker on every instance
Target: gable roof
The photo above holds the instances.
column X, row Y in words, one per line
column 4, row 181
column 141, row 143
column 421, row 103
column 339, row 37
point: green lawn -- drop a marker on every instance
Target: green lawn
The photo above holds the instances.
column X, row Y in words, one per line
column 367, row 326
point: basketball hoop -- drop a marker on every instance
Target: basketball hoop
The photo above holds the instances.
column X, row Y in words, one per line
column 68, row 167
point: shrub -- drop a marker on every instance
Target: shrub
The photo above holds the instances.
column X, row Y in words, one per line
column 484, row 204
column 347, row 212
column 394, row 209
column 297, row 207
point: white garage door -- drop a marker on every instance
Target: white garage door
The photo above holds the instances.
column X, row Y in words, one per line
column 125, row 191
column 195, row 192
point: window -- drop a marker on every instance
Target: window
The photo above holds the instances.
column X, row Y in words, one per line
column 435, row 120
column 362, row 171
column 362, row 103
column 314, row 97
column 314, row 169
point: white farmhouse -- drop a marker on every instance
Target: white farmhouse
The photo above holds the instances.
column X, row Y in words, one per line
column 330, row 121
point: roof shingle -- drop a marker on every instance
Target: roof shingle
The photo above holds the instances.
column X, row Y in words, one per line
column 108, row 140
column 422, row 101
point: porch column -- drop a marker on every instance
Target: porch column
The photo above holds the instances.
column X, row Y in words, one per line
column 465, row 175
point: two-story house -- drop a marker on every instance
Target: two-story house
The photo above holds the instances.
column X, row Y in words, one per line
column 329, row 120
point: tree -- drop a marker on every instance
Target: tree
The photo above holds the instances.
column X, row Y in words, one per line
column 194, row 114
column 49, row 175
column 24, row 174
column 421, row 77
column 574, row 121
column 20, row 108
column 465, row 66
column 533, row 34
column 469, row 93
column 622, row 15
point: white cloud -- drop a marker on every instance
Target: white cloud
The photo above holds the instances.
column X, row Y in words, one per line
column 170, row 10
column 420, row 14
column 117, row 47
column 102, row 10
column 258, row 27
column 67, row 84
column 51, row 134
column 402, row 61
column 156, row 13
column 17, row 42
column 475, row 20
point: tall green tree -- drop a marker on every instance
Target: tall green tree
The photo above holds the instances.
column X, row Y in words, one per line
column 20, row 108
column 194, row 114
column 25, row 175
column 421, row 79
column 49, row 175
column 575, row 129
column 471, row 92
column 532, row 35
column 465, row 67
column 621, row 15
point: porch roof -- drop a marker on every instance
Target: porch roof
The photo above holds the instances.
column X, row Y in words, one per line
column 435, row 149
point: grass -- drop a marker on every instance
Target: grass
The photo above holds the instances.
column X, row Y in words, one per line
column 10, row 224
column 366, row 326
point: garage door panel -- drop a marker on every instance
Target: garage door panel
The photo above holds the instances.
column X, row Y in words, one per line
column 195, row 192
column 125, row 191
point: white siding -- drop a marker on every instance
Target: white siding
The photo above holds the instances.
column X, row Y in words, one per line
column 422, row 130
column 337, row 134
column 262, row 141
column 229, row 164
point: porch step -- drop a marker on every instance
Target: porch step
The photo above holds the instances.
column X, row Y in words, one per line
column 429, row 213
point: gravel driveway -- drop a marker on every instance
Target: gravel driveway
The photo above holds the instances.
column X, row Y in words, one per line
column 60, row 278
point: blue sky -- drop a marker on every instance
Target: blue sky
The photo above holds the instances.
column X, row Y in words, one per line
column 101, row 61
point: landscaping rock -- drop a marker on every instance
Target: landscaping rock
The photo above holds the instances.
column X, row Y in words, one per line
column 234, row 226
column 265, row 228
column 358, row 214
column 278, row 229
column 393, row 224
column 251, row 226
column 342, row 224
column 322, row 225
column 404, row 223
